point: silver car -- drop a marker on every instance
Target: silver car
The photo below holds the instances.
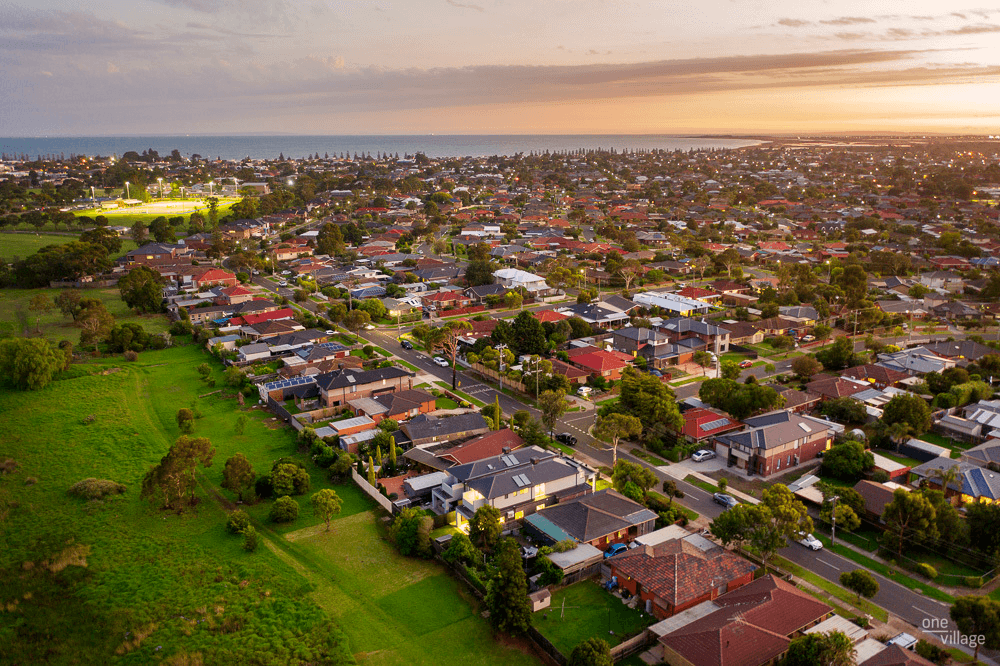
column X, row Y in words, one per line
column 702, row 455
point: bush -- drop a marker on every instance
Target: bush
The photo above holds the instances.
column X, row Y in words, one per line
column 926, row 570
column 91, row 489
column 880, row 476
column 131, row 355
column 250, row 539
column 263, row 488
column 931, row 652
column 284, row 510
column 238, row 521
column 861, row 621
column 973, row 581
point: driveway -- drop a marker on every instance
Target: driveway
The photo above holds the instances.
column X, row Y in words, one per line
column 686, row 466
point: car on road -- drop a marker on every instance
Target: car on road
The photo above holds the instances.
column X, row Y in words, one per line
column 283, row 283
column 746, row 364
column 443, row 362
column 615, row 549
column 725, row 500
column 701, row 455
column 406, row 344
column 566, row 438
column 810, row 542
column 286, row 272
column 369, row 327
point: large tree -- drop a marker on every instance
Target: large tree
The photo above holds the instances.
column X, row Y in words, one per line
column 651, row 401
column 446, row 338
column 528, row 334
column 174, row 476
column 910, row 409
column 552, row 404
column 238, row 477
column 355, row 320
column 848, row 461
column 507, row 592
column 485, row 527
column 819, row 649
column 30, row 363
column 977, row 616
column 142, row 289
column 615, row 427
column 909, row 518
column 591, row 652
column 860, row 582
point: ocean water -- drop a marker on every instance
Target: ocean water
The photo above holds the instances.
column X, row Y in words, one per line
column 270, row 147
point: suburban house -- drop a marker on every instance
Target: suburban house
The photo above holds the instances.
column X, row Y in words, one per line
column 427, row 429
column 253, row 352
column 337, row 387
column 830, row 388
column 713, row 338
column 214, row 277
column 776, row 441
column 517, row 483
column 515, row 278
column 749, row 626
column 676, row 574
column 397, row 405
column 702, row 424
column 974, row 483
column 672, row 303
column 877, row 376
column 602, row 314
column 876, row 496
column 944, row 280
column 444, row 454
column 600, row 363
column 599, row 519
column 915, row 361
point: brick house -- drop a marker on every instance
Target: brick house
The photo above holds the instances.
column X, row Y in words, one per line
column 214, row 277
column 674, row 575
column 600, row 363
column 337, row 387
column 397, row 405
column 776, row 441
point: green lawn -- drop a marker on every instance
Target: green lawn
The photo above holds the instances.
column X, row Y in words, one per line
column 25, row 245
column 704, row 485
column 445, row 403
column 468, row 398
column 55, row 327
column 584, row 610
column 690, row 513
column 648, row 457
column 181, row 584
column 902, row 460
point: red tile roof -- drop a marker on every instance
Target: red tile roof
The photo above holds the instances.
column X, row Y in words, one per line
column 283, row 313
column 484, row 446
column 694, row 419
column 600, row 361
column 548, row 315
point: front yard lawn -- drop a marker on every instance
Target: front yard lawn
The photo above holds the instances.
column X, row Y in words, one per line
column 585, row 610
column 445, row 403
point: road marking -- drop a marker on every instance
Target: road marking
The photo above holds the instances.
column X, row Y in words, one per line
column 828, row 564
column 927, row 613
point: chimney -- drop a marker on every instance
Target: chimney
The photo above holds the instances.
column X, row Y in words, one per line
column 505, row 449
column 534, row 461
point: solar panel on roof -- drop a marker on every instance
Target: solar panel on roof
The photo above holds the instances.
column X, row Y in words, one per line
column 712, row 425
column 513, row 460
column 517, row 481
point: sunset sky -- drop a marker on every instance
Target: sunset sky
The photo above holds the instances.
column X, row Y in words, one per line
column 113, row 67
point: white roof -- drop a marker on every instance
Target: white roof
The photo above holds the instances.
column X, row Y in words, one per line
column 843, row 625
column 582, row 553
column 517, row 275
column 667, row 533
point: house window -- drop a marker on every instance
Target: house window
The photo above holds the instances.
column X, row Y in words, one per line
column 777, row 463
column 519, row 515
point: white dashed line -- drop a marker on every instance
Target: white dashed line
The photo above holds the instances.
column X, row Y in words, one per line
column 828, row 564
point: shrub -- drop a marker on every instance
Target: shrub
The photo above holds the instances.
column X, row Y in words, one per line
column 131, row 355
column 238, row 521
column 91, row 489
column 284, row 510
column 250, row 539
column 861, row 621
column 263, row 488
column 932, row 652
column 880, row 476
column 563, row 546
column 973, row 581
column 926, row 570
column 723, row 484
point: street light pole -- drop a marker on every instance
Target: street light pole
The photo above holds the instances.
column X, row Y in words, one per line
column 160, row 181
column 833, row 515
column 128, row 192
column 500, row 348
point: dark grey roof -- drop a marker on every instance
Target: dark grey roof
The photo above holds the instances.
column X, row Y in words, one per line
column 597, row 515
column 513, row 460
column 689, row 325
column 640, row 334
column 511, row 480
column 443, row 427
column 352, row 377
column 969, row 349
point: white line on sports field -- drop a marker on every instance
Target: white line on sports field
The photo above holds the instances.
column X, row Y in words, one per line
column 828, row 564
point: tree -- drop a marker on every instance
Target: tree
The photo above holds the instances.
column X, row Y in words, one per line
column 983, row 520
column 806, row 366
column 860, row 582
column 162, row 231
column 945, row 477
column 507, row 592
column 909, row 518
column 820, row 649
column 95, row 320
column 647, row 398
column 529, row 335
column 626, row 472
column 410, row 532
column 460, row 549
column 615, row 427
column 446, row 338
column 190, row 452
column 847, row 518
column 485, row 527
column 898, row 433
column 910, row 409
column 845, row 410
column 288, row 478
column 250, row 539
column 330, row 240
column 325, row 503
column 138, row 232
column 837, row 356
column 732, row 527
column 848, row 461
column 185, row 420
column 730, row 370
column 284, row 510
column 40, row 303
column 591, row 652
column 173, row 477
column 356, row 320
column 479, row 272
column 739, row 400
column 128, row 337
column 552, row 404
column 975, row 617
column 30, row 363
column 238, row 477
column 704, row 359
column 103, row 236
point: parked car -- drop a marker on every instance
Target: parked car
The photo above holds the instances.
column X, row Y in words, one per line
column 702, row 455
column 584, row 391
column 406, row 344
column 655, row 373
column 566, row 438
column 808, row 338
column 283, row 283
column 809, row 541
column 286, row 272
column 746, row 364
column 725, row 500
column 615, row 549
column 369, row 327
column 330, row 332
column 443, row 362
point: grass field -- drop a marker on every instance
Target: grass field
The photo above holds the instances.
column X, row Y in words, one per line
column 25, row 245
column 144, row 585
column 55, row 327
column 589, row 611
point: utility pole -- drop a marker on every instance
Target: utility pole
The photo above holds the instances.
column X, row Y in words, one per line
column 833, row 515
column 500, row 348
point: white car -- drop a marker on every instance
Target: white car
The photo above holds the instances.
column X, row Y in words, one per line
column 331, row 332
column 808, row 338
column 286, row 272
column 443, row 362
column 369, row 327
column 702, row 455
column 811, row 542
column 283, row 283
column 584, row 391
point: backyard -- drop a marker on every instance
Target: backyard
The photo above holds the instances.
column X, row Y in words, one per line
column 585, row 609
